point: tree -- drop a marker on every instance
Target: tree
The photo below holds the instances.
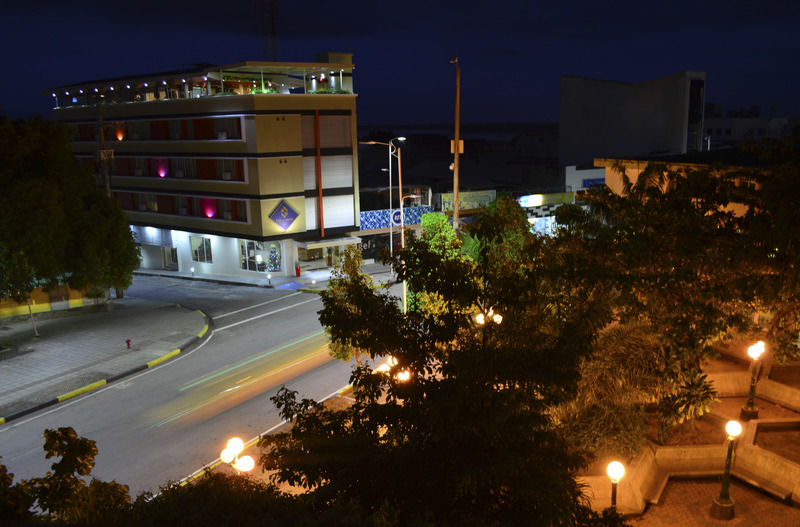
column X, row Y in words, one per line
column 466, row 439
column 347, row 288
column 63, row 495
column 57, row 227
column 688, row 258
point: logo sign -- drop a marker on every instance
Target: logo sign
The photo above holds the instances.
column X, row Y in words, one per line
column 283, row 215
column 396, row 217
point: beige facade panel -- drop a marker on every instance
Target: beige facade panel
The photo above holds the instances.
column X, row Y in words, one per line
column 279, row 175
column 278, row 133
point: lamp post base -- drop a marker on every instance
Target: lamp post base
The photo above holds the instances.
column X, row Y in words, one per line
column 722, row 510
column 746, row 414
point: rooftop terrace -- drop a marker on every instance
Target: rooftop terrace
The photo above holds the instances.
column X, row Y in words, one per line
column 206, row 80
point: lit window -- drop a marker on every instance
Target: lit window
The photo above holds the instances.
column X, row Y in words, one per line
column 201, row 248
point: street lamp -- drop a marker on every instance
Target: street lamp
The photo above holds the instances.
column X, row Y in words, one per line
column 722, row 506
column 403, row 227
column 749, row 410
column 615, row 471
column 394, row 150
column 231, row 453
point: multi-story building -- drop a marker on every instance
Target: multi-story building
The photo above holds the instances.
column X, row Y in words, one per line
column 615, row 119
column 226, row 170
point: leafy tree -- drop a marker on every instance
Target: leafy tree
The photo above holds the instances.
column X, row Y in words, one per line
column 57, row 227
column 347, row 287
column 466, row 439
column 63, row 495
column 15, row 502
column 439, row 236
column 688, row 258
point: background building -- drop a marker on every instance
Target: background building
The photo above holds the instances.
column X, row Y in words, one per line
column 609, row 119
column 227, row 170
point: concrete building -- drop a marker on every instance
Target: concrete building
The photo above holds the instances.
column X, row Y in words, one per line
column 227, row 170
column 601, row 118
column 743, row 126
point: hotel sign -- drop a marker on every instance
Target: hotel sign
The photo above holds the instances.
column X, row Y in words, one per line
column 283, row 215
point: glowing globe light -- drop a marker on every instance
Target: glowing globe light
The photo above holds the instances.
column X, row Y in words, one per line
column 235, row 444
column 244, row 464
column 227, row 455
column 733, row 429
column 756, row 350
column 615, row 471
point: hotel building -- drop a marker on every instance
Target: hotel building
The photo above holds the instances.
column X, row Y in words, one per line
column 226, row 170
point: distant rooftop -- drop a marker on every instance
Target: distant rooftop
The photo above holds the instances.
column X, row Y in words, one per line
column 723, row 156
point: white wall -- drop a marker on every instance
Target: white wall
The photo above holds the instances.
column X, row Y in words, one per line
column 574, row 178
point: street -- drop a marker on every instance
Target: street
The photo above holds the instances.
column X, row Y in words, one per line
column 162, row 424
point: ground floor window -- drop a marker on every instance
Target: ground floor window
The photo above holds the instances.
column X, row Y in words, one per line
column 201, row 248
column 259, row 256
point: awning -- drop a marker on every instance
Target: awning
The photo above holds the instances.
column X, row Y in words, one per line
column 330, row 242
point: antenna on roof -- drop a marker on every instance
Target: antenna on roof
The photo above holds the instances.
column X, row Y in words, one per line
column 268, row 11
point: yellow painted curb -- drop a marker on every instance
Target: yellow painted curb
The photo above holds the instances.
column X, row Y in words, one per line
column 87, row 388
column 200, row 335
column 163, row 358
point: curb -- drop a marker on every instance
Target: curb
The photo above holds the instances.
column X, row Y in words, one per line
column 95, row 385
column 211, row 465
column 221, row 281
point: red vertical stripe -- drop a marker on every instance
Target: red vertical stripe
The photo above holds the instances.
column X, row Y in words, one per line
column 319, row 174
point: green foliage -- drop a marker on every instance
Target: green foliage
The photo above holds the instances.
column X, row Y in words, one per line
column 467, row 440
column 347, row 286
column 15, row 502
column 691, row 397
column 58, row 228
column 63, row 495
column 686, row 259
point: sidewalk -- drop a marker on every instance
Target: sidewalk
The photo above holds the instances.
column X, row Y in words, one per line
column 84, row 348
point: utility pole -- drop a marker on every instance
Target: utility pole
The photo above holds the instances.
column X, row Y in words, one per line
column 456, row 145
column 104, row 155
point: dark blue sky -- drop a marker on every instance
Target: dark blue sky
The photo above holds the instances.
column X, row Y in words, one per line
column 512, row 52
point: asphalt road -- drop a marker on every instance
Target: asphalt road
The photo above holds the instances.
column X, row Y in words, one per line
column 163, row 424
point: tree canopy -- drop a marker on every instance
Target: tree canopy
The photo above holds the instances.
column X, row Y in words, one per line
column 56, row 226
column 464, row 437
column 689, row 259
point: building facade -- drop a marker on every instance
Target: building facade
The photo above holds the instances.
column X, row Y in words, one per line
column 601, row 118
column 226, row 170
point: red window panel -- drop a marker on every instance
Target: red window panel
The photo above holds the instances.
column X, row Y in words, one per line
column 86, row 132
column 207, row 168
column 166, row 204
column 159, row 130
column 122, row 166
column 204, row 129
column 239, row 170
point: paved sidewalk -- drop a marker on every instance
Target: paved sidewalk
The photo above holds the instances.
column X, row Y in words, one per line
column 83, row 346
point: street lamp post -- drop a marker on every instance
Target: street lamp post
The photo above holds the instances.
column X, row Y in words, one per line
column 749, row 410
column 392, row 149
column 722, row 506
column 615, row 471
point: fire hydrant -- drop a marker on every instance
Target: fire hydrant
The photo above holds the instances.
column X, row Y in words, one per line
column 128, row 342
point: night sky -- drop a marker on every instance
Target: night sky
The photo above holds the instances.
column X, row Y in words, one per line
column 512, row 52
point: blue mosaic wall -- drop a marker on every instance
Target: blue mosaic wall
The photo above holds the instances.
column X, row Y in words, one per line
column 379, row 219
